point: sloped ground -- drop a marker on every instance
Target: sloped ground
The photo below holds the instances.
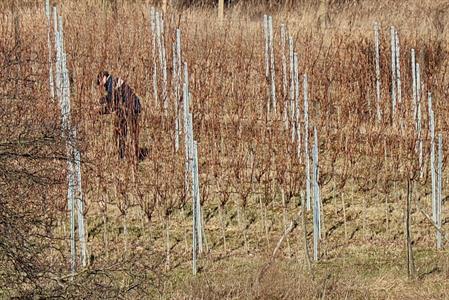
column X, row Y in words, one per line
column 247, row 159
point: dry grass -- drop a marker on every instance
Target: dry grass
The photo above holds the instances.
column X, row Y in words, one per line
column 245, row 160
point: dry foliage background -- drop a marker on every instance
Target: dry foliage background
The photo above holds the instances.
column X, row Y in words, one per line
column 247, row 161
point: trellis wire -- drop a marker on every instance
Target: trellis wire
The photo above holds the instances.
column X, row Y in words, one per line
column 393, row 72
column 377, row 59
column 316, row 198
column 306, row 141
column 439, row 189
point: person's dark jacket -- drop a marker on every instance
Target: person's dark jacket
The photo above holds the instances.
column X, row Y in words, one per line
column 120, row 98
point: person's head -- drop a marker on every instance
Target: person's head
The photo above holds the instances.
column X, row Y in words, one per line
column 102, row 77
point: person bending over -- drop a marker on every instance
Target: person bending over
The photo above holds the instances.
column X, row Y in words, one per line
column 120, row 98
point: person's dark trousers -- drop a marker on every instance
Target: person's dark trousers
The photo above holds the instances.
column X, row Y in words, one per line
column 121, row 134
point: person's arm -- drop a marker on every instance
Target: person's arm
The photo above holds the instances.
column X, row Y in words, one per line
column 106, row 101
column 108, row 87
column 104, row 108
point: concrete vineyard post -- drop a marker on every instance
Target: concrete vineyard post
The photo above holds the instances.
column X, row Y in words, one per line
column 80, row 201
column 74, row 192
column 191, row 170
column 220, row 10
column 296, row 109
column 50, row 62
column 398, row 66
column 58, row 59
column 272, row 69
column 70, row 168
column 414, row 97
column 284, row 67
column 419, row 122
column 175, row 96
column 162, row 60
column 294, row 100
column 186, row 121
column 432, row 157
column 267, row 59
column 176, row 78
column 154, row 45
column 74, row 152
column 199, row 217
column 306, row 141
column 393, row 72
column 377, row 59
column 439, row 189
column 316, row 198
column 159, row 43
column 292, row 82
